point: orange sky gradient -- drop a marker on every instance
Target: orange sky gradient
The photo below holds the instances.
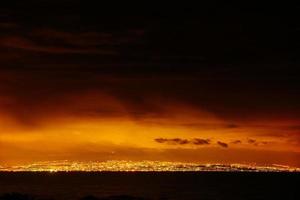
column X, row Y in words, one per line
column 170, row 136
column 218, row 85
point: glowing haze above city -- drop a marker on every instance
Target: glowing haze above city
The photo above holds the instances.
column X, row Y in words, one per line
column 117, row 87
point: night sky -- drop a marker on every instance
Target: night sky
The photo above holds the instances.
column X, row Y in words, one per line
column 206, row 83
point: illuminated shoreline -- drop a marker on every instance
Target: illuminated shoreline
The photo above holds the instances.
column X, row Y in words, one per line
column 142, row 166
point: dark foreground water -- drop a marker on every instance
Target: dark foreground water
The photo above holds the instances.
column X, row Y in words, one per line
column 203, row 185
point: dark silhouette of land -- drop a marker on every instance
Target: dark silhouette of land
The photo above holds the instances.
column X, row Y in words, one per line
column 18, row 196
column 148, row 186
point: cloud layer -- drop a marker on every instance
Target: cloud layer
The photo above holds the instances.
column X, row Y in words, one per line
column 231, row 78
column 180, row 141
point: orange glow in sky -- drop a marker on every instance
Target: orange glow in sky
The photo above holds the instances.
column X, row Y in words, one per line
column 181, row 134
column 213, row 87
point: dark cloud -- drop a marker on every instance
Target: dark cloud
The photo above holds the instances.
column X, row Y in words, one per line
column 180, row 141
column 173, row 141
column 251, row 141
column 236, row 142
column 53, row 41
column 257, row 143
column 198, row 141
column 223, row 144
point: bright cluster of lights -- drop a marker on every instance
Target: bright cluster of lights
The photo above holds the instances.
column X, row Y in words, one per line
column 142, row 166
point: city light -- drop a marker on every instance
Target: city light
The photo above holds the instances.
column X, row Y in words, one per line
column 142, row 166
